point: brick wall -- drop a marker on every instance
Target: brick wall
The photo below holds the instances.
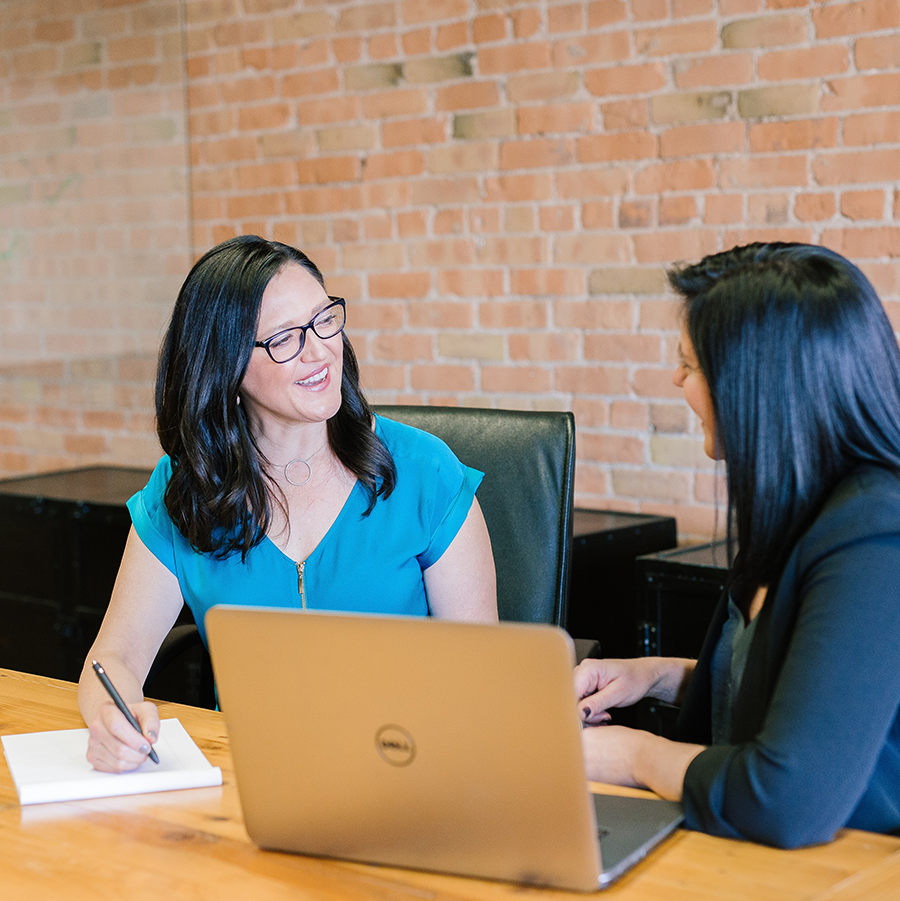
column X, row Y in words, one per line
column 496, row 187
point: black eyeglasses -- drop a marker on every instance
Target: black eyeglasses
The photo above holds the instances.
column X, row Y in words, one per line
column 326, row 324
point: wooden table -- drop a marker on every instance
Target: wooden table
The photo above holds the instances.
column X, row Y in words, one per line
column 192, row 845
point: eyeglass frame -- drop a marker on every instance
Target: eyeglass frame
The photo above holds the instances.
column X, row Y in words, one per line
column 335, row 302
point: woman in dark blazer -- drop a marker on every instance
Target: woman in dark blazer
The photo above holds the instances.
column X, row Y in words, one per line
column 790, row 719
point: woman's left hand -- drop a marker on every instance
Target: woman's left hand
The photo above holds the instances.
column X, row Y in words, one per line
column 610, row 752
column 623, row 756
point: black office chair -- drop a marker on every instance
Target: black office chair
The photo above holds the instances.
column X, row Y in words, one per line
column 528, row 459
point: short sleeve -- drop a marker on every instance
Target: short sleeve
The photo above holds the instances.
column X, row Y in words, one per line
column 433, row 488
column 151, row 519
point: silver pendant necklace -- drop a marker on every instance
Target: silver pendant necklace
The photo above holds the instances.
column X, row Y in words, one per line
column 300, row 462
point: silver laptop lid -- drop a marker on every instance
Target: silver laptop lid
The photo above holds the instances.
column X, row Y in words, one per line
column 417, row 743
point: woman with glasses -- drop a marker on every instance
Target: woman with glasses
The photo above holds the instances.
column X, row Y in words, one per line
column 789, row 726
column 278, row 487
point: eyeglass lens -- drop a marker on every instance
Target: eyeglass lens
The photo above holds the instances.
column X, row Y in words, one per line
column 289, row 344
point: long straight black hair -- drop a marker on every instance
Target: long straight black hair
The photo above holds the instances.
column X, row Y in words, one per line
column 803, row 370
column 220, row 493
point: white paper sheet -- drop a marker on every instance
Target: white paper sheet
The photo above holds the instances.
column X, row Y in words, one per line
column 51, row 766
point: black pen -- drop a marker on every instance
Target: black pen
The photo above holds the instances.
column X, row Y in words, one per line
column 117, row 699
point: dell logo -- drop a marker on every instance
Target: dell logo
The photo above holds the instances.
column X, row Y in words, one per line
column 395, row 745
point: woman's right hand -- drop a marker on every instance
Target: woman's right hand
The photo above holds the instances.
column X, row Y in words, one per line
column 114, row 745
column 601, row 685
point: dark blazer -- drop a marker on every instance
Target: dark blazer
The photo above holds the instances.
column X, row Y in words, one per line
column 816, row 731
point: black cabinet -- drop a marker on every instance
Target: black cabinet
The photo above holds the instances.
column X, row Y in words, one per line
column 603, row 583
column 677, row 592
column 61, row 540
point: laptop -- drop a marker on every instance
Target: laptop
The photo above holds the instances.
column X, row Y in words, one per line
column 420, row 743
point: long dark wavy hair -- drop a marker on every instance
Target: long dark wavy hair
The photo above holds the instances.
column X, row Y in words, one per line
column 220, row 493
column 804, row 373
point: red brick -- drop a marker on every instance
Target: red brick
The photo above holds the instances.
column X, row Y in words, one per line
column 547, row 282
column 407, row 132
column 452, row 36
column 676, row 210
column 636, row 213
column 416, row 43
column 566, row 18
column 513, row 314
column 602, row 47
column 804, row 62
column 862, row 91
column 622, row 348
column 671, row 246
column 612, row 448
column 857, row 166
column 592, row 249
column 594, row 379
column 768, row 209
column 797, row 134
column 858, row 205
column 625, row 145
column 386, row 104
column 842, row 19
column 556, row 218
column 624, row 114
column 442, row 377
column 471, row 282
column 597, row 214
column 864, row 243
column 515, row 379
column 470, row 95
column 513, row 251
column 383, row 46
column 881, row 52
column 635, row 79
column 542, row 86
column 683, row 38
column 518, row 188
column 555, row 118
column 714, row 71
column 606, row 12
column 680, row 175
column 536, row 153
column 441, row 315
column 815, row 207
column 546, row 347
column 624, row 414
column 399, row 164
column 420, row 11
column 489, row 28
column 709, row 138
column 764, row 172
column 518, row 57
column 867, row 129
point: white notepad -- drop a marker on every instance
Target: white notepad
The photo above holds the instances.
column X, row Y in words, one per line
column 51, row 766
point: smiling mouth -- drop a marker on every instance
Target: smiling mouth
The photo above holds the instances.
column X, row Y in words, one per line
column 316, row 379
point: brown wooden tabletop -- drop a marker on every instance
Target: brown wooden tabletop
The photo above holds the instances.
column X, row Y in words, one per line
column 190, row 845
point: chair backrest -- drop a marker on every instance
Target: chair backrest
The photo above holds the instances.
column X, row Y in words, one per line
column 528, row 461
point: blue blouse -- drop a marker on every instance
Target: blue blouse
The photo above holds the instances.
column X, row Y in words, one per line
column 364, row 564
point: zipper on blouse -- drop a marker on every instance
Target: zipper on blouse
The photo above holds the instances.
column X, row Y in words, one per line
column 300, row 587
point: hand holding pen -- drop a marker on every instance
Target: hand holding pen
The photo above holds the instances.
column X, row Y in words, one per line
column 123, row 707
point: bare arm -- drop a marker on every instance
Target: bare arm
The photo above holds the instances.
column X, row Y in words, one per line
column 462, row 584
column 145, row 602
